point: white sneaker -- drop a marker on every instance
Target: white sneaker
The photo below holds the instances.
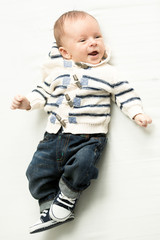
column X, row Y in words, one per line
column 62, row 208
column 45, row 222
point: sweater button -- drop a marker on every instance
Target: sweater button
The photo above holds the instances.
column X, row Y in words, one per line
column 82, row 65
column 69, row 100
column 77, row 82
column 62, row 122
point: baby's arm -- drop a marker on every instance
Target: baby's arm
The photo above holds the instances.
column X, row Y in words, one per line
column 142, row 119
column 20, row 102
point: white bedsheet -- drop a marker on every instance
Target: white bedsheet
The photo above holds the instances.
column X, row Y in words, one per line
column 124, row 203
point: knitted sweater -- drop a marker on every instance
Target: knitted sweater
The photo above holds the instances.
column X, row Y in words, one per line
column 78, row 96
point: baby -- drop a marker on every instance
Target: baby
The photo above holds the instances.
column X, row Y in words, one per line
column 76, row 90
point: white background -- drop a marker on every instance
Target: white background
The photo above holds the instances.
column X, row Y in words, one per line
column 124, row 203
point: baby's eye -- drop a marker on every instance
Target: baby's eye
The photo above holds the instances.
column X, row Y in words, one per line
column 82, row 40
column 98, row 36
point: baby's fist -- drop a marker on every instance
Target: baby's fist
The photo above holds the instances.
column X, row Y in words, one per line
column 20, row 102
column 142, row 119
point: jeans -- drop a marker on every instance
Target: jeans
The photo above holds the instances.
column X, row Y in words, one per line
column 65, row 162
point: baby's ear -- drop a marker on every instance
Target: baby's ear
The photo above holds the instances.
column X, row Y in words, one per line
column 65, row 54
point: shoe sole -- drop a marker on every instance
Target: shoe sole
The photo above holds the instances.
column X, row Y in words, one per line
column 51, row 223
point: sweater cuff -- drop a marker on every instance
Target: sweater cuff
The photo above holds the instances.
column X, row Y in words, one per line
column 36, row 101
column 133, row 111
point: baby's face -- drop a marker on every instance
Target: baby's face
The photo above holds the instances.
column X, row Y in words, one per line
column 83, row 41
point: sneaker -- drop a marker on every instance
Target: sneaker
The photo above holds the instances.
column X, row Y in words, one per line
column 45, row 222
column 62, row 208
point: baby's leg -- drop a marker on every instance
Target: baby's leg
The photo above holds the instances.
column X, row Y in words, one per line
column 43, row 173
column 77, row 175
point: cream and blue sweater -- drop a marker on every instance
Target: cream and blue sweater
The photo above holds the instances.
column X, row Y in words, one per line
column 78, row 96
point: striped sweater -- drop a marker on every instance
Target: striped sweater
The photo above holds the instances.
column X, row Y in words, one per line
column 78, row 96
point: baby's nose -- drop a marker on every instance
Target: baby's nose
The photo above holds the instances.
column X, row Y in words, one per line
column 93, row 42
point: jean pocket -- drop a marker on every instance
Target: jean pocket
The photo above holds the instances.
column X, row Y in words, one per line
column 47, row 137
column 100, row 143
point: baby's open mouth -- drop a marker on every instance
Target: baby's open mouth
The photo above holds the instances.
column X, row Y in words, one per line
column 94, row 53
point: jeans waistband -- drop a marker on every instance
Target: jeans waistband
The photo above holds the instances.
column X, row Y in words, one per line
column 83, row 134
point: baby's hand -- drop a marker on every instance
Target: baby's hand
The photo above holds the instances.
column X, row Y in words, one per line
column 20, row 102
column 142, row 119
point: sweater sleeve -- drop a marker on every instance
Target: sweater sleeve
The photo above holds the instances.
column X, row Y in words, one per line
column 39, row 95
column 126, row 97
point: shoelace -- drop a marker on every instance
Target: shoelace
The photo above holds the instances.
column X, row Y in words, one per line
column 69, row 202
column 44, row 213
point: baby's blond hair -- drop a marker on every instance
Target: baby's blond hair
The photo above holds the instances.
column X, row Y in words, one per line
column 59, row 24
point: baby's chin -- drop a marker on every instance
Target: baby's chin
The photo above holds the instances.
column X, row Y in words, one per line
column 94, row 62
column 94, row 59
column 90, row 59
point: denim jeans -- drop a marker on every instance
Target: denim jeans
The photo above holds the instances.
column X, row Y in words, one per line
column 64, row 161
